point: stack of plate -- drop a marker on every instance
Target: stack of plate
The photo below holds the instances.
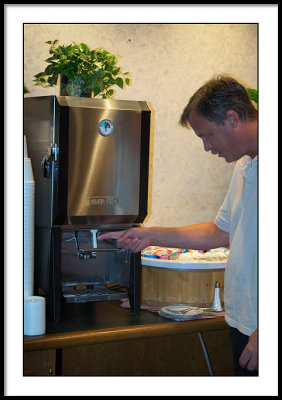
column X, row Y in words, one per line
column 184, row 312
column 29, row 196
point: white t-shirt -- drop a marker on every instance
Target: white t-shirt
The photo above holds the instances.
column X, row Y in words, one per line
column 238, row 216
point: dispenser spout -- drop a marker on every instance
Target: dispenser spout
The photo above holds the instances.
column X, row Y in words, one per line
column 94, row 237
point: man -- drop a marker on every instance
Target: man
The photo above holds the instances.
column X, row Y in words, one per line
column 223, row 116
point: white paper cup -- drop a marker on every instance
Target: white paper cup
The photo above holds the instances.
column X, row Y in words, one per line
column 34, row 316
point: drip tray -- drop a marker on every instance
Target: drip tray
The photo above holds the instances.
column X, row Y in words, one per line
column 75, row 294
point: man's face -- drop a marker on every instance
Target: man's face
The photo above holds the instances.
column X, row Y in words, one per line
column 219, row 139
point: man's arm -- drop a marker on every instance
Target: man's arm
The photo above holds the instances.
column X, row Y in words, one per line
column 198, row 236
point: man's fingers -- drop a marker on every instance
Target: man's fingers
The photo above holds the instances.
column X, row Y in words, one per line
column 110, row 235
column 128, row 239
column 248, row 358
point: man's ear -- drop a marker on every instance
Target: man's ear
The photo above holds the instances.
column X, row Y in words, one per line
column 232, row 118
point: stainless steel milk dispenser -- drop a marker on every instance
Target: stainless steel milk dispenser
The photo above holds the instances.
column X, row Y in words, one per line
column 90, row 160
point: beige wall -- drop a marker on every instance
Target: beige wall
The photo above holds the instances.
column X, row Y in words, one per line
column 168, row 62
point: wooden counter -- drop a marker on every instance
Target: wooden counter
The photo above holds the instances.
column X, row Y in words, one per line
column 103, row 339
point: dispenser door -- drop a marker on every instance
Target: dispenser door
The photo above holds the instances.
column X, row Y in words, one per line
column 104, row 164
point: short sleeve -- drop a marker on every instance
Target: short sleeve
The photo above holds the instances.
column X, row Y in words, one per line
column 222, row 219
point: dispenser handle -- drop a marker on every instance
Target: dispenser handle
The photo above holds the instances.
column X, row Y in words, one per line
column 89, row 253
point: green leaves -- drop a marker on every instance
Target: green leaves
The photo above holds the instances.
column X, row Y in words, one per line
column 26, row 89
column 96, row 68
column 253, row 94
column 119, row 82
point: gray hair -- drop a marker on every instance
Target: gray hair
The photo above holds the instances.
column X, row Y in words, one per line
column 216, row 97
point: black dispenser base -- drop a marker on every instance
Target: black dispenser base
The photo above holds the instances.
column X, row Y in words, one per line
column 97, row 293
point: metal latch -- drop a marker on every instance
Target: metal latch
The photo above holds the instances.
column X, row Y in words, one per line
column 50, row 161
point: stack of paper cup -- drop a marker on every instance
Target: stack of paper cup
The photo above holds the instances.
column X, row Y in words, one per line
column 29, row 196
column 34, row 316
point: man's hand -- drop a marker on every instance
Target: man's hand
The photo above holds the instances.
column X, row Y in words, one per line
column 205, row 235
column 134, row 239
column 249, row 356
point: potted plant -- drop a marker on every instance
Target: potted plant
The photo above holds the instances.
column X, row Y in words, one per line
column 82, row 72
